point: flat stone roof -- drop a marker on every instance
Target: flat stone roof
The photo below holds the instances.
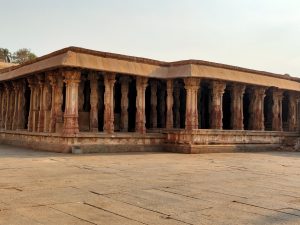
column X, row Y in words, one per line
column 111, row 62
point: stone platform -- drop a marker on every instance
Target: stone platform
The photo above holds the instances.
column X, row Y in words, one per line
column 149, row 188
column 175, row 140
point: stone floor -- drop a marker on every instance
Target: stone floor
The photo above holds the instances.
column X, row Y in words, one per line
column 149, row 188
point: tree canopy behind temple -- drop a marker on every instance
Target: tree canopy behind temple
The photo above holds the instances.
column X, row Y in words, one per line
column 20, row 56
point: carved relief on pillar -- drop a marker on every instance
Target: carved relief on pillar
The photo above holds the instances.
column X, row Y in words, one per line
column 141, row 84
column 217, row 89
column 237, row 92
column 256, row 108
column 191, row 85
column 176, row 104
column 292, row 111
column 72, row 80
column 170, row 101
column 93, row 77
column 124, row 102
column 277, row 96
column 153, row 103
column 9, row 105
column 109, row 81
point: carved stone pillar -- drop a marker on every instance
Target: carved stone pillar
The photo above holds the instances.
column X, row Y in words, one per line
column 56, row 114
column 94, row 101
column 9, row 105
column 170, row 101
column 140, row 120
column 216, row 113
column 124, row 103
column 1, row 104
column 21, row 106
column 32, row 85
column 72, row 80
column 256, row 108
column 277, row 96
column 191, row 86
column 41, row 112
column 177, row 105
column 161, row 105
column 153, row 102
column 15, row 113
column 109, row 81
column 237, row 93
column 292, row 111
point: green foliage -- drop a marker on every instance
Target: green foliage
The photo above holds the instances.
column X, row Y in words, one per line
column 20, row 56
column 5, row 55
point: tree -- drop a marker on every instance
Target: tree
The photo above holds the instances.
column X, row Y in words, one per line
column 5, row 55
column 23, row 55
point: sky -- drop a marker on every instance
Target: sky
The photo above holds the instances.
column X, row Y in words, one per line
column 256, row 34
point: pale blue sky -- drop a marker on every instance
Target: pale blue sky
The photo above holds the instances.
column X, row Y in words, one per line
column 257, row 34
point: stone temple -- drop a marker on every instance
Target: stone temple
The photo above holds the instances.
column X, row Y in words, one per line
column 95, row 101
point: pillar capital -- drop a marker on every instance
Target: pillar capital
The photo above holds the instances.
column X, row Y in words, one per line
column 191, row 82
column 71, row 76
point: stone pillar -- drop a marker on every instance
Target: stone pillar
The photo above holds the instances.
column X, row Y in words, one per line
column 41, row 112
column 140, row 119
column 153, row 102
column 216, row 112
column 292, row 111
column 15, row 113
column 32, row 85
column 277, row 96
column 256, row 108
column 191, row 85
column 161, row 106
column 9, row 105
column 56, row 114
column 237, row 93
column 170, row 101
column 109, row 81
column 21, row 105
column 1, row 104
column 177, row 105
column 124, row 102
column 94, row 101
column 72, row 80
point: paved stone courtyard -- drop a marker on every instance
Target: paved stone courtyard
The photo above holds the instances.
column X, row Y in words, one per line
column 148, row 188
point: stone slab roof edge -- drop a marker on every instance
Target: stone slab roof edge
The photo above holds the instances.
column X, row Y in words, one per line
column 146, row 61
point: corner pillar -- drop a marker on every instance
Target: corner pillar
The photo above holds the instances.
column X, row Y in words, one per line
column 72, row 80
